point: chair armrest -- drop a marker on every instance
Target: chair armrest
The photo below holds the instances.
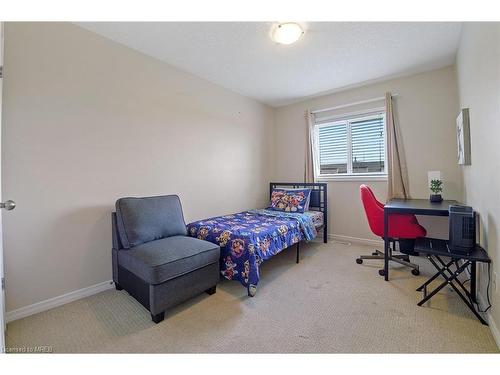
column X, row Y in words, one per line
column 117, row 245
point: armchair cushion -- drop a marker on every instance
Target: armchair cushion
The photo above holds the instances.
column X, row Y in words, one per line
column 140, row 220
column 165, row 259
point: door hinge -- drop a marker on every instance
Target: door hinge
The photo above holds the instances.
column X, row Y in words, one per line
column 3, row 283
column 1, row 71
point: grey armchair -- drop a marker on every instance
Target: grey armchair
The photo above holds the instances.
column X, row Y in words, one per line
column 153, row 258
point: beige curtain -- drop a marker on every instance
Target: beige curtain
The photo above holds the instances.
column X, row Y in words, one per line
column 309, row 157
column 397, row 174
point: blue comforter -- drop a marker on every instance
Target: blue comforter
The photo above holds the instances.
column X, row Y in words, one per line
column 250, row 237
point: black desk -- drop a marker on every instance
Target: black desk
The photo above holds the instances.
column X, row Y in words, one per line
column 410, row 206
column 434, row 249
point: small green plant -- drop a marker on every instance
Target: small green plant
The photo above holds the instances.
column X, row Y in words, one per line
column 436, row 186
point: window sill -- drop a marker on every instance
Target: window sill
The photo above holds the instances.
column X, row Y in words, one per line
column 352, row 178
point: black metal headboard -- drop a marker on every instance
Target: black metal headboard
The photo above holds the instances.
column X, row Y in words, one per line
column 317, row 202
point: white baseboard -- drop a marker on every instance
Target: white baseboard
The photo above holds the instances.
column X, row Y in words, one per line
column 358, row 240
column 48, row 304
column 491, row 323
column 494, row 329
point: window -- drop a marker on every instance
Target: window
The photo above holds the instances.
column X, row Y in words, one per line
column 351, row 147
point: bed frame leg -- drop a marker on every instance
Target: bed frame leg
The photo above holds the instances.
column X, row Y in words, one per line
column 325, row 235
column 298, row 252
column 252, row 290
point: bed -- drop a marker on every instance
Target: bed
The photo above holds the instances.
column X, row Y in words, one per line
column 250, row 237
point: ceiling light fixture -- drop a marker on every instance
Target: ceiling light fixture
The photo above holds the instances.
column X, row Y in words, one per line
column 287, row 33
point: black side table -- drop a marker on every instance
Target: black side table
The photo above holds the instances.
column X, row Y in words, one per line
column 451, row 269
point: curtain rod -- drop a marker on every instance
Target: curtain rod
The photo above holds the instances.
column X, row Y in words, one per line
column 352, row 104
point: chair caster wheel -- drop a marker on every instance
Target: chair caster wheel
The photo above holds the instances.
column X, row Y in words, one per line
column 381, row 272
column 359, row 261
column 415, row 272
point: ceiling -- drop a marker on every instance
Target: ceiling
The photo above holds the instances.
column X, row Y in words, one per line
column 240, row 56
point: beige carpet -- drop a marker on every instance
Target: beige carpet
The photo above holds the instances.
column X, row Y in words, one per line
column 327, row 303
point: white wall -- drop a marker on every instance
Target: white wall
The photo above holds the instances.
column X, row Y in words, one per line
column 87, row 121
column 478, row 70
column 426, row 109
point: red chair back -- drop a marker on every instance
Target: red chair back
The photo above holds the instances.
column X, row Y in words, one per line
column 374, row 210
column 400, row 225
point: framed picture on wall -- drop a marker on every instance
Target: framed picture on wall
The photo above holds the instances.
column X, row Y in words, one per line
column 463, row 137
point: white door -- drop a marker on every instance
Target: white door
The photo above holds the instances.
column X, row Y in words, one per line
column 9, row 205
column 2, row 292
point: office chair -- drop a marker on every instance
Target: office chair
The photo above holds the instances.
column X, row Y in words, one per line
column 402, row 228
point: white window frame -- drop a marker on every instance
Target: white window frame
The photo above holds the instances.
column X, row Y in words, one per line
column 348, row 118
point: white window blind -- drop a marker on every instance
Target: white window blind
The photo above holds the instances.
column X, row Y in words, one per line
column 352, row 146
column 333, row 148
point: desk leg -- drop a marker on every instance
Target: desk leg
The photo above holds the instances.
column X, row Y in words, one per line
column 386, row 246
column 473, row 281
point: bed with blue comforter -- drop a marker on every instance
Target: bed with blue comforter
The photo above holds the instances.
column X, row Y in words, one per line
column 248, row 238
